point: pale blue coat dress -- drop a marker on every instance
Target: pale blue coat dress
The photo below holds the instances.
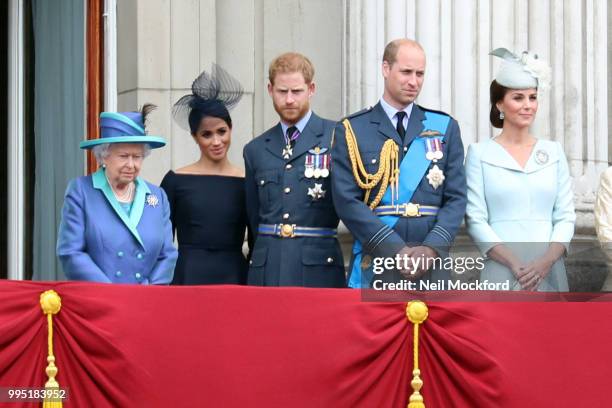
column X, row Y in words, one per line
column 524, row 208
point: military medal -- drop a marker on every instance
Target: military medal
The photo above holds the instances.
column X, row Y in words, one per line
column 434, row 149
column 152, row 200
column 435, row 176
column 289, row 141
column 309, row 167
column 325, row 166
column 317, row 163
column 541, row 157
column 317, row 192
column 287, row 152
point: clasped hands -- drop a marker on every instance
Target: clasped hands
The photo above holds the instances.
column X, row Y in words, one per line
column 420, row 260
column 531, row 274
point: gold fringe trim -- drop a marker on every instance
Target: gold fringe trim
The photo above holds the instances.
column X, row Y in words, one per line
column 387, row 173
column 417, row 313
column 51, row 303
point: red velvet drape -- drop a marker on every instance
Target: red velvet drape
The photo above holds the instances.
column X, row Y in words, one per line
column 132, row 346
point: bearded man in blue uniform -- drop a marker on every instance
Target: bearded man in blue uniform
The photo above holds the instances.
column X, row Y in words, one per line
column 398, row 178
column 288, row 192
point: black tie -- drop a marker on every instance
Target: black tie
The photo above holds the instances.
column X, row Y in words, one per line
column 400, row 124
column 291, row 136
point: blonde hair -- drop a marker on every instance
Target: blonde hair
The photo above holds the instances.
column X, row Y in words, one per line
column 291, row 62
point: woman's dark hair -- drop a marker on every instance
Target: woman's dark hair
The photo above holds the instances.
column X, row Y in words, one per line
column 201, row 108
column 213, row 95
column 497, row 93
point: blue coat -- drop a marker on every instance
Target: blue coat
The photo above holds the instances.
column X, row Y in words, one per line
column 372, row 128
column 277, row 192
column 99, row 242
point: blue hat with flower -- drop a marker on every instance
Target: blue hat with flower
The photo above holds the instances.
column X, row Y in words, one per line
column 123, row 127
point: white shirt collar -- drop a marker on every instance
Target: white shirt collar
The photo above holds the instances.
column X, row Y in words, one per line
column 391, row 112
column 300, row 125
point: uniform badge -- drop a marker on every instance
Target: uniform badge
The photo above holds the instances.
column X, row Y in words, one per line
column 541, row 157
column 433, row 146
column 317, row 163
column 317, row 192
column 430, row 133
column 287, row 152
column 152, row 200
column 435, row 177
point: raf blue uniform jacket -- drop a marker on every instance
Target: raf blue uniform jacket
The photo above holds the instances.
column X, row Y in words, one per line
column 277, row 193
column 98, row 241
column 372, row 129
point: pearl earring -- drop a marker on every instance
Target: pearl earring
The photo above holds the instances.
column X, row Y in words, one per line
column 103, row 165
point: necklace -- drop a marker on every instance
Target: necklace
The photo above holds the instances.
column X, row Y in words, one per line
column 126, row 196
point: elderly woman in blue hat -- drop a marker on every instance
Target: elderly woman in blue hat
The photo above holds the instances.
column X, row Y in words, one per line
column 115, row 226
column 520, row 209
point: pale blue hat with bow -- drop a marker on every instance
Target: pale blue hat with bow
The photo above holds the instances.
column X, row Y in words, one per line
column 521, row 72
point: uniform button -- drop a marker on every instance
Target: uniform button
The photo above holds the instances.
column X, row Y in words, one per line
column 405, row 148
column 288, row 166
column 262, row 182
column 285, row 216
column 118, row 274
column 330, row 260
column 251, row 262
column 138, row 275
column 373, row 161
column 287, row 190
column 120, row 254
column 139, row 255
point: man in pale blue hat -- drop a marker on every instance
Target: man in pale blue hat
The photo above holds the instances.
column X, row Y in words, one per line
column 115, row 226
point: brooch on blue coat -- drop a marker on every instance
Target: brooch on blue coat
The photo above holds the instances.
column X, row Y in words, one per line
column 541, row 157
column 152, row 200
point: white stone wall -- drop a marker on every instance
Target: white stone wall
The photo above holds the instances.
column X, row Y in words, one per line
column 164, row 44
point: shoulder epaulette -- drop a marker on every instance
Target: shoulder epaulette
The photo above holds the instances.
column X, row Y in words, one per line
column 358, row 113
column 433, row 110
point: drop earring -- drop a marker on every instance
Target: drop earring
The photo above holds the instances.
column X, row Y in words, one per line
column 501, row 115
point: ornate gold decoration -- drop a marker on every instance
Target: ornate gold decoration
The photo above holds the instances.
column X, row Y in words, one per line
column 388, row 168
column 417, row 313
column 286, row 230
column 51, row 303
column 429, row 133
column 366, row 261
column 411, row 210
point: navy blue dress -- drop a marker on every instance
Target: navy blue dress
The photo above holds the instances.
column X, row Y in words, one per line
column 208, row 215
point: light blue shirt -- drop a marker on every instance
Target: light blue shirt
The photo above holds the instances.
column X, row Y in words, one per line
column 392, row 113
column 300, row 125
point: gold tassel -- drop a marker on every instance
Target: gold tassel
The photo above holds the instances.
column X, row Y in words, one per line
column 51, row 303
column 417, row 313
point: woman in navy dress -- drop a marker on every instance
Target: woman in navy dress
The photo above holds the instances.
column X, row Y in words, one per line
column 206, row 198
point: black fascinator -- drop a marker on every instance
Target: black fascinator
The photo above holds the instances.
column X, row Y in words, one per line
column 212, row 94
